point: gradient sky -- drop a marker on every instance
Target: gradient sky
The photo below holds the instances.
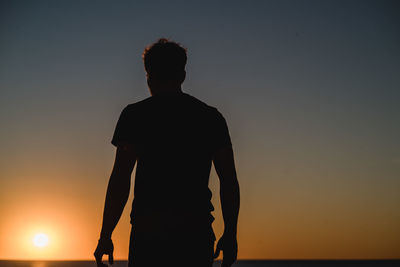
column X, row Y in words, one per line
column 310, row 91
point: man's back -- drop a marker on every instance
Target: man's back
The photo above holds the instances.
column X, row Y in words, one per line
column 175, row 136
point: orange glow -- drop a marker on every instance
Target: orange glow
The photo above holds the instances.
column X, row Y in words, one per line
column 294, row 227
column 33, row 241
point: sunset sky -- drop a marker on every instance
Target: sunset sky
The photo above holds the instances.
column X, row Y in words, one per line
column 310, row 91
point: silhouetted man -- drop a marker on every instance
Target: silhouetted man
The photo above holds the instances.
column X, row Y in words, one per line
column 174, row 138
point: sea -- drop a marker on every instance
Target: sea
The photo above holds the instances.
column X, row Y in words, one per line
column 240, row 263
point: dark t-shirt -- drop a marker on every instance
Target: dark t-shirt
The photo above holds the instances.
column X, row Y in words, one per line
column 175, row 137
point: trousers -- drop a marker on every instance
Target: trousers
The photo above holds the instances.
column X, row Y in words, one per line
column 165, row 245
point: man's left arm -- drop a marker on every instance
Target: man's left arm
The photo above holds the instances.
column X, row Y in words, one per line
column 116, row 198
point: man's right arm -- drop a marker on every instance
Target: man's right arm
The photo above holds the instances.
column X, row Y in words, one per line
column 116, row 198
column 230, row 201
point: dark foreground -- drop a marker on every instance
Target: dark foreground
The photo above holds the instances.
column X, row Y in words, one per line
column 241, row 263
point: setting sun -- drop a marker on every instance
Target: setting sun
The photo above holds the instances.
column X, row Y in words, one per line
column 40, row 240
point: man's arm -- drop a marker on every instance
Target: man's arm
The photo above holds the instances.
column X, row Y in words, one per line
column 116, row 198
column 230, row 202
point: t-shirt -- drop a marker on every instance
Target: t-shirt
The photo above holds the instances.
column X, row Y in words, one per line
column 175, row 136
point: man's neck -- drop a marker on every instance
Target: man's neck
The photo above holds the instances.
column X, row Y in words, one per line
column 165, row 91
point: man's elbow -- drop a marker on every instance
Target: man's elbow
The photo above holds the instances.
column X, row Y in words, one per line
column 231, row 184
column 120, row 181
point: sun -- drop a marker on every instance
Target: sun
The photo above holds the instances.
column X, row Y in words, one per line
column 40, row 240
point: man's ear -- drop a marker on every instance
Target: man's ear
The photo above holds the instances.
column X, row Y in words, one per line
column 149, row 81
column 183, row 76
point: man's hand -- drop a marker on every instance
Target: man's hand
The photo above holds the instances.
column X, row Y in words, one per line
column 105, row 246
column 228, row 244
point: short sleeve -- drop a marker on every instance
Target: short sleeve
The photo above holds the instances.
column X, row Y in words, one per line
column 123, row 132
column 221, row 137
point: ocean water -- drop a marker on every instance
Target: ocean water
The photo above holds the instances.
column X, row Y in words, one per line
column 241, row 263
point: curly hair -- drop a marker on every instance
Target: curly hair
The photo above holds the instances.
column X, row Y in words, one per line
column 164, row 59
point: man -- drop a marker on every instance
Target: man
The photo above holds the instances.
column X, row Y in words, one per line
column 174, row 138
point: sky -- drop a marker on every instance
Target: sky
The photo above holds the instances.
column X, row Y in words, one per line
column 309, row 89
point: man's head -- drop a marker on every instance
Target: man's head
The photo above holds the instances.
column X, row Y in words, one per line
column 164, row 62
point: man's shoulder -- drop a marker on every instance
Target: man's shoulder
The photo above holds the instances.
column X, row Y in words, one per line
column 138, row 104
column 201, row 104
